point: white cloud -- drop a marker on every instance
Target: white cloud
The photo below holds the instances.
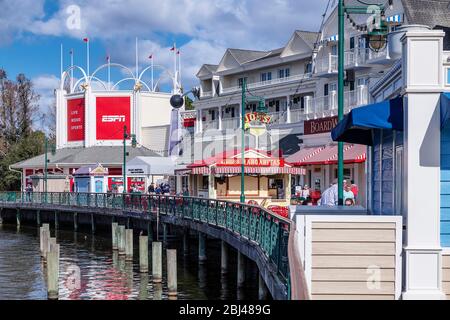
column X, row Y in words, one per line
column 210, row 26
column 45, row 86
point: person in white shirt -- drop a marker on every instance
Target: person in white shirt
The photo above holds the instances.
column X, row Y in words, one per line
column 330, row 196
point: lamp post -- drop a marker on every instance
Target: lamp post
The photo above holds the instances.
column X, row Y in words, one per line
column 244, row 85
column 125, row 137
column 379, row 34
column 46, row 160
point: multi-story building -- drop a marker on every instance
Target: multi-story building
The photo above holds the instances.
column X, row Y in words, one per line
column 298, row 83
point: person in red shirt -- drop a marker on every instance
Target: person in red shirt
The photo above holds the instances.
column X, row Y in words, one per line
column 354, row 189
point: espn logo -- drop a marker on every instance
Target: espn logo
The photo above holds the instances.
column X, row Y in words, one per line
column 113, row 119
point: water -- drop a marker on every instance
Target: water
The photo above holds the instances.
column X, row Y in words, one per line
column 89, row 270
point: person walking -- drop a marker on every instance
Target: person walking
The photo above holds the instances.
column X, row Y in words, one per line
column 330, row 195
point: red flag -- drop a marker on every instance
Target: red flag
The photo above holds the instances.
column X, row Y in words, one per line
column 151, row 56
column 107, row 58
column 86, row 39
column 178, row 52
column 173, row 48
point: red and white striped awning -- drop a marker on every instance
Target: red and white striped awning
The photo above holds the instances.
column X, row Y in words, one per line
column 259, row 170
column 304, row 154
column 353, row 153
column 201, row 170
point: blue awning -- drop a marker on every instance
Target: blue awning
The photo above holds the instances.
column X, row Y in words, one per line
column 357, row 127
column 445, row 109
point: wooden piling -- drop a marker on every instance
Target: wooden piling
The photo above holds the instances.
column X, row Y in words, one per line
column 240, row 270
column 129, row 244
column 172, row 272
column 224, row 258
column 157, row 262
column 143, row 254
column 121, row 240
column 53, row 272
column 45, row 242
column 201, row 247
column 114, row 234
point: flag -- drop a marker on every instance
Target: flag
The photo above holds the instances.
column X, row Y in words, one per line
column 108, row 58
column 150, row 56
column 71, row 52
column 178, row 52
column 173, row 48
column 86, row 39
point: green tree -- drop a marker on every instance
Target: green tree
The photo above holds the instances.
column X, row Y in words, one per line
column 188, row 103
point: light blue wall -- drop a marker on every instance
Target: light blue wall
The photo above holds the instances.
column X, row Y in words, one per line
column 445, row 187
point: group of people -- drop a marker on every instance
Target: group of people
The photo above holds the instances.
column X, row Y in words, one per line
column 330, row 196
column 160, row 189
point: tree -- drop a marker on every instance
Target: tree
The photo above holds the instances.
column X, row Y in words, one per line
column 188, row 103
column 26, row 105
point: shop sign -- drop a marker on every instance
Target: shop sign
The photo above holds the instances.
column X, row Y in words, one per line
column 257, row 117
column 75, row 120
column 137, row 170
column 113, row 113
column 320, row 125
column 252, row 162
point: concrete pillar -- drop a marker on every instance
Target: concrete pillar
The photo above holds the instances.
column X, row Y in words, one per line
column 262, row 289
column 220, row 118
column 157, row 262
column 121, row 240
column 224, row 258
column 114, row 233
column 288, row 109
column 45, row 241
column 53, row 272
column 240, row 270
column 157, row 291
column 129, row 244
column 143, row 254
column 75, row 222
column 143, row 286
column 423, row 79
column 201, row 247
column 172, row 272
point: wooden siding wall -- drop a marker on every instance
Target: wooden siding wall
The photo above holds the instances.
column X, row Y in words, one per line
column 446, row 274
column 343, row 254
column 445, row 187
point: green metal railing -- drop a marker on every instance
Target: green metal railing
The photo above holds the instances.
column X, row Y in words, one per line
column 253, row 223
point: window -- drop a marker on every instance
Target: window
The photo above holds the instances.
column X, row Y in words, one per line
column 241, row 82
column 362, row 82
column 284, row 73
column 325, row 89
column 333, row 87
column 352, row 85
column 352, row 43
column 266, row 76
column 334, row 50
column 308, row 68
column 448, row 76
column 213, row 115
column 205, row 183
column 399, row 181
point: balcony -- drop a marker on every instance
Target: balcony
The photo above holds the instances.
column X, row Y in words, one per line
column 206, row 94
column 262, row 84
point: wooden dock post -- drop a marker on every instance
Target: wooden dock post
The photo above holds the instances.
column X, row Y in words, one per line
column 262, row 289
column 45, row 240
column 129, row 244
column 201, row 248
column 114, row 234
column 224, row 258
column 121, row 240
column 143, row 254
column 53, row 270
column 172, row 273
column 157, row 262
column 240, row 270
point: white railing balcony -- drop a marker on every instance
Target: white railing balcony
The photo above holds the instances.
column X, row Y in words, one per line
column 328, row 64
column 261, row 84
column 206, row 94
column 230, row 123
column 373, row 56
column 278, row 117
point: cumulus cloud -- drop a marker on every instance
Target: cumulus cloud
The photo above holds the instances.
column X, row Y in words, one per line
column 210, row 26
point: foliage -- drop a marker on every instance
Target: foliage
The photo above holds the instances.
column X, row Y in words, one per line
column 188, row 103
column 18, row 139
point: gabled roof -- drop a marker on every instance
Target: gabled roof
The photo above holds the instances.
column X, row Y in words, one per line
column 427, row 12
column 245, row 56
column 310, row 37
column 207, row 69
column 301, row 42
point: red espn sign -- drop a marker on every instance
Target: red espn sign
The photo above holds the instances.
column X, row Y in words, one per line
column 75, row 120
column 112, row 114
column 252, row 162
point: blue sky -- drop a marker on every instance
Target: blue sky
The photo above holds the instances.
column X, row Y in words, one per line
column 33, row 30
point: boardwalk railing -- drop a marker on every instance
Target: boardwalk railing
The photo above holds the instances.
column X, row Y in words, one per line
column 253, row 223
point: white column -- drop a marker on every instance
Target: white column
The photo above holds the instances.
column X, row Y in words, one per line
column 240, row 115
column 213, row 88
column 90, row 135
column 61, row 119
column 220, row 117
column 288, row 109
column 422, row 76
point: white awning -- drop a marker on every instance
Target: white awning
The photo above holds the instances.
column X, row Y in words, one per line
column 146, row 166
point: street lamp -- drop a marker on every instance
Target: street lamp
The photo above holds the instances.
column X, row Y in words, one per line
column 377, row 40
column 46, row 161
column 125, row 154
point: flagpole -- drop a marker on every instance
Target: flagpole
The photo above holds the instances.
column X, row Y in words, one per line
column 88, row 58
column 153, row 87
column 62, row 61
column 137, row 59
column 175, row 67
column 71, row 70
column 179, row 66
column 109, row 73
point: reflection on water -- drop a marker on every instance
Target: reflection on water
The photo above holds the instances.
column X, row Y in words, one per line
column 90, row 270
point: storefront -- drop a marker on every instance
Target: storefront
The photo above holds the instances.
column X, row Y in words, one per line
column 91, row 179
column 143, row 171
column 267, row 178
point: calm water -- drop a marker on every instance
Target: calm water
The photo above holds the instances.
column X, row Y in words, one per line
column 105, row 276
